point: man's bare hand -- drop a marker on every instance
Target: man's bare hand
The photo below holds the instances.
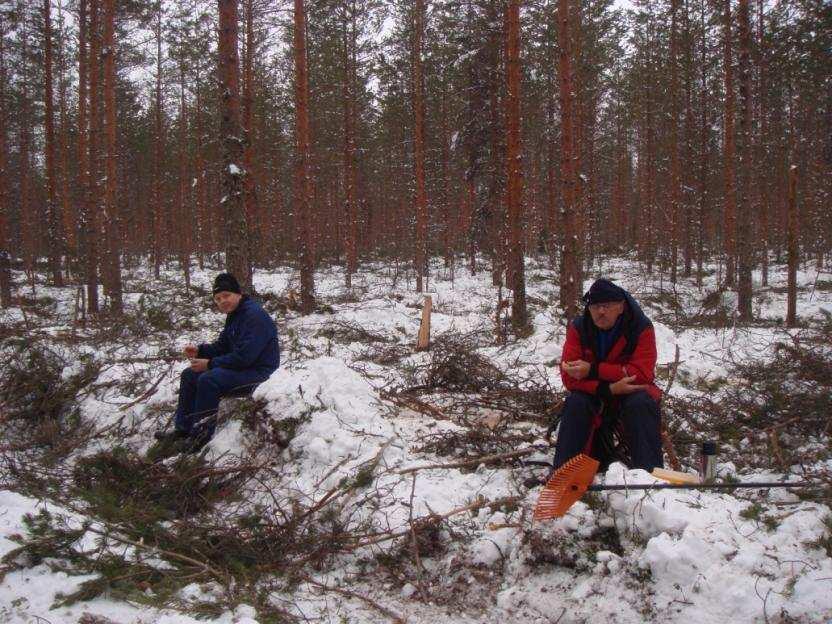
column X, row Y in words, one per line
column 191, row 351
column 625, row 385
column 576, row 369
column 199, row 365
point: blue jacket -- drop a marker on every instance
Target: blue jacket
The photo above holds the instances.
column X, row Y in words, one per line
column 247, row 342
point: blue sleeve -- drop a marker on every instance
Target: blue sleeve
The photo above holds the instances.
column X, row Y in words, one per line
column 255, row 334
column 214, row 349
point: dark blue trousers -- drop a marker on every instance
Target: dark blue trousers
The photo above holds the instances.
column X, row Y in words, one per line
column 638, row 412
column 200, row 393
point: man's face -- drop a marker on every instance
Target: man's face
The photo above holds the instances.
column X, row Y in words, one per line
column 226, row 301
column 604, row 315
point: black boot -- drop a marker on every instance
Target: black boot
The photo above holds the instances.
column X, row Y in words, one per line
column 168, row 444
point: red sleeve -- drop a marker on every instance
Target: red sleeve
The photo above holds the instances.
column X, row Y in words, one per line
column 642, row 362
column 610, row 372
column 572, row 351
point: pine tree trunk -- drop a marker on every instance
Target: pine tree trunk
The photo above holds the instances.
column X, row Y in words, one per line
column 236, row 235
column 53, row 219
column 69, row 218
column 303, row 183
column 762, row 174
column 92, row 224
column 250, row 197
column 83, row 126
column 569, row 286
column 514, row 171
column 158, row 220
column 674, row 195
column 419, row 147
column 184, row 218
column 745, row 222
column 349, row 104
column 729, row 171
column 793, row 249
column 5, row 257
column 112, row 231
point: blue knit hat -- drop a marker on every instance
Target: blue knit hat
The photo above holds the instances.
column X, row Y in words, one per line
column 603, row 291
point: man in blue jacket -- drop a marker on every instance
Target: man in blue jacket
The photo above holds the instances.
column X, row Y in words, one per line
column 245, row 354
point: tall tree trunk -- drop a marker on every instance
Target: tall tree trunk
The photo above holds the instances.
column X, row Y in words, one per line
column 255, row 228
column 93, row 234
column 203, row 228
column 236, row 235
column 569, row 285
column 158, row 220
column 69, row 218
column 745, row 222
column 514, row 171
column 5, row 257
column 53, row 220
column 303, row 182
column 419, row 146
column 349, row 103
column 83, row 136
column 112, row 230
column 675, row 182
column 762, row 160
column 729, row 170
column 793, row 249
column 183, row 217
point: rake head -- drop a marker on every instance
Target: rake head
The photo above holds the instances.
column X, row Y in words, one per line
column 565, row 487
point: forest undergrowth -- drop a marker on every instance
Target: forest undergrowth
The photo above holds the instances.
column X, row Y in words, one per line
column 143, row 531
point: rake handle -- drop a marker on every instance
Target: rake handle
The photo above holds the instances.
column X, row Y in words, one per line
column 703, row 486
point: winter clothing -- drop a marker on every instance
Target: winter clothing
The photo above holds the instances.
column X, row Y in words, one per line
column 628, row 349
column 225, row 282
column 603, row 291
column 245, row 354
column 200, row 393
column 248, row 341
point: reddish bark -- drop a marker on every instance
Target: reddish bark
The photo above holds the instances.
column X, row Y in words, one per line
column 514, row 171
column 793, row 250
column 112, row 254
column 236, row 232
column 674, row 195
column 745, row 222
column 158, row 220
column 5, row 269
column 53, row 219
column 92, row 221
column 729, row 166
column 250, row 198
column 349, row 103
column 569, row 285
column 419, row 147
column 303, row 183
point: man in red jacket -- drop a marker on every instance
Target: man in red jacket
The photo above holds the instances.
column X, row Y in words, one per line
column 608, row 365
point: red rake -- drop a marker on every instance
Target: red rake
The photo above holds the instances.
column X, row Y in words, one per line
column 565, row 487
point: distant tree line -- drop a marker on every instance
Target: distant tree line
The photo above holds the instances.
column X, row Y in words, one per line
column 682, row 132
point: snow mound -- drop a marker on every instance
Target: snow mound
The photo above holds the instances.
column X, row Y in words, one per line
column 340, row 424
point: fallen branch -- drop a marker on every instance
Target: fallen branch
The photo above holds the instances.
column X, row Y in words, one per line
column 470, row 462
column 351, row 594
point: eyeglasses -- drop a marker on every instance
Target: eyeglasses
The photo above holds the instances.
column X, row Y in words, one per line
column 598, row 307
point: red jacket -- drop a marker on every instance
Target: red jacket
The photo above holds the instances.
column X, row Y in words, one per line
column 633, row 353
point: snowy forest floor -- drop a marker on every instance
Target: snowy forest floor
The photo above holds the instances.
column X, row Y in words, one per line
column 350, row 487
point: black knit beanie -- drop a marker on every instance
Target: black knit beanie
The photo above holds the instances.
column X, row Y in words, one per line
column 226, row 282
column 603, row 291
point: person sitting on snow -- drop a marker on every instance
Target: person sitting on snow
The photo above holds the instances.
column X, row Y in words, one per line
column 608, row 367
column 245, row 354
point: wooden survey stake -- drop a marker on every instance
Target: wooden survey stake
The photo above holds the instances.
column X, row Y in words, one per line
column 423, row 341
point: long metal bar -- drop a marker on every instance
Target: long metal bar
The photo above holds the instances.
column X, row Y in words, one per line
column 704, row 486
